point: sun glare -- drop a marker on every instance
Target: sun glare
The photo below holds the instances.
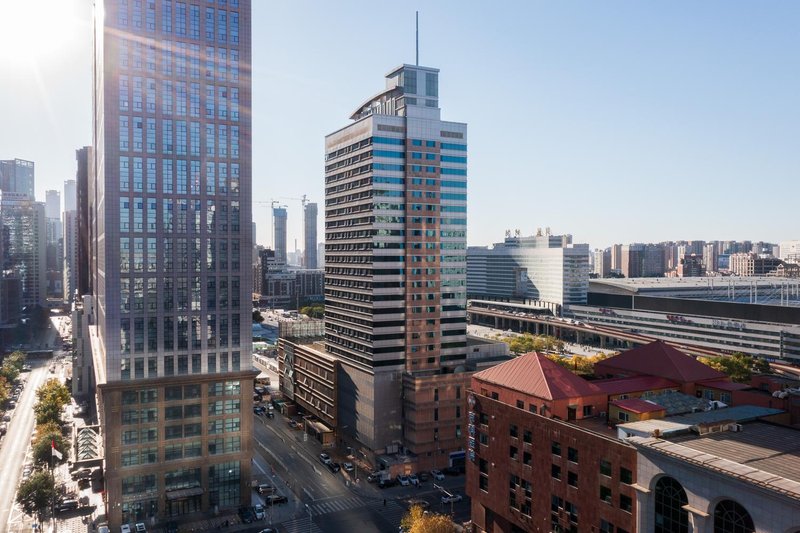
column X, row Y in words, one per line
column 38, row 31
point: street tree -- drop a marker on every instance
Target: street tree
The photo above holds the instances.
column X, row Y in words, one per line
column 52, row 397
column 257, row 318
column 36, row 494
column 5, row 390
column 46, row 435
column 12, row 366
column 416, row 520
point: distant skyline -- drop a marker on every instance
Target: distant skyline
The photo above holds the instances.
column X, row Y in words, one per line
column 624, row 122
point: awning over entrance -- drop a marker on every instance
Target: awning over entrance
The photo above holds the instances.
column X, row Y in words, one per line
column 184, row 493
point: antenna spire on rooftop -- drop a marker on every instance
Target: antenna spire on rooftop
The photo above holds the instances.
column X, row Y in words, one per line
column 417, row 38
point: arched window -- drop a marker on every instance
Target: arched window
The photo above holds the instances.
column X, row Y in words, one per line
column 670, row 498
column 730, row 517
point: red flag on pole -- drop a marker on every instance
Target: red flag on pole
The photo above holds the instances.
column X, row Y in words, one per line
column 56, row 453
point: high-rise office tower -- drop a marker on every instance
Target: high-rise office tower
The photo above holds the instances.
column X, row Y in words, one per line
column 70, row 240
column 395, row 265
column 279, row 217
column 172, row 288
column 84, row 160
column 310, row 235
column 55, row 244
column 17, row 175
column 23, row 230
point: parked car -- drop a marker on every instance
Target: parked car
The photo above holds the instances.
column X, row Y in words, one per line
column 246, row 515
column 265, row 489
column 258, row 510
column 67, row 505
column 373, row 477
column 275, row 499
column 325, row 458
column 333, row 467
column 452, row 498
column 413, row 479
column 386, row 483
column 403, row 480
column 125, row 528
column 424, row 476
column 348, row 467
column 83, row 473
column 140, row 527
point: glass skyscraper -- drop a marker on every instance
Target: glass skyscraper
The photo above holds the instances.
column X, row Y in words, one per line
column 171, row 232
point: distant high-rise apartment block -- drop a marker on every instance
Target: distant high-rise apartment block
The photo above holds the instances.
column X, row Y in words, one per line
column 279, row 223
column 395, row 269
column 23, row 226
column 546, row 268
column 601, row 266
column 170, row 195
column 790, row 251
column 752, row 264
column 310, row 235
column 17, row 176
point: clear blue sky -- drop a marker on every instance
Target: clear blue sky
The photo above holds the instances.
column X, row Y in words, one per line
column 614, row 121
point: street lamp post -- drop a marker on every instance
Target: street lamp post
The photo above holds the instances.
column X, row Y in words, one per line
column 449, row 495
column 310, row 520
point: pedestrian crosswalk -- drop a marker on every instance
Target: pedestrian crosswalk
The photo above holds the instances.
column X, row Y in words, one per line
column 392, row 512
column 300, row 525
column 335, row 505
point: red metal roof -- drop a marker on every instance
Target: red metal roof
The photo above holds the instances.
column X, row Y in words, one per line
column 659, row 359
column 722, row 384
column 633, row 384
column 536, row 375
column 637, row 405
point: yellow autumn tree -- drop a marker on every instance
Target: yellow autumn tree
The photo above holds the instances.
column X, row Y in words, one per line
column 417, row 520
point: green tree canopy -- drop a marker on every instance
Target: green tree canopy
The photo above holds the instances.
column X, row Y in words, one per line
column 42, row 445
column 257, row 318
column 738, row 366
column 12, row 366
column 313, row 311
column 36, row 494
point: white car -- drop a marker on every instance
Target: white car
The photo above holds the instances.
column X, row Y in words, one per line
column 325, row 458
column 403, row 480
column 437, row 475
column 258, row 510
column 452, row 498
column 413, row 479
column 125, row 528
column 348, row 467
column 140, row 527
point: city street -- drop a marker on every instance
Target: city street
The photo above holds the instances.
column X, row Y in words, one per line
column 16, row 442
column 335, row 504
